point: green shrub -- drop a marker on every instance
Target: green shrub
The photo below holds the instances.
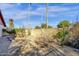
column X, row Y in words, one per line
column 61, row 35
column 37, row 27
column 64, row 24
column 12, row 31
column 9, row 32
column 43, row 26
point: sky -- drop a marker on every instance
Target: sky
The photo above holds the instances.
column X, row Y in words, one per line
column 23, row 14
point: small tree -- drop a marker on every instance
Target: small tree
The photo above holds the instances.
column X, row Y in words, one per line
column 63, row 24
column 37, row 27
column 45, row 25
column 64, row 32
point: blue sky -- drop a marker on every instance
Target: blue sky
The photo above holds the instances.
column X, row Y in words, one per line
column 56, row 12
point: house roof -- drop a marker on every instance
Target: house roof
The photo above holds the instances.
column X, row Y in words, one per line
column 2, row 19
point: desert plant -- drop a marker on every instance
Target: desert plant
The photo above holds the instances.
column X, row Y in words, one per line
column 73, row 39
column 29, row 31
column 63, row 24
column 20, row 32
column 61, row 36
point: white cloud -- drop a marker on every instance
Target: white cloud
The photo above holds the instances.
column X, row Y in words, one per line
column 4, row 6
column 16, row 14
column 51, row 11
column 58, row 8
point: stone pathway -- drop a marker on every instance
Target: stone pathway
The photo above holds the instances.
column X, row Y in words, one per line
column 63, row 51
column 4, row 44
column 5, row 49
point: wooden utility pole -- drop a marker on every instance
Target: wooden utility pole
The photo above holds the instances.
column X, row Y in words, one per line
column 29, row 23
column 46, row 15
column 29, row 15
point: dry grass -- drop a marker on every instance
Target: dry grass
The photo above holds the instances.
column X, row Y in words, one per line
column 39, row 40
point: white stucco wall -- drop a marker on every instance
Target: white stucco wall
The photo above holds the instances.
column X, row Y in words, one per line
column 0, row 30
column 1, row 26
